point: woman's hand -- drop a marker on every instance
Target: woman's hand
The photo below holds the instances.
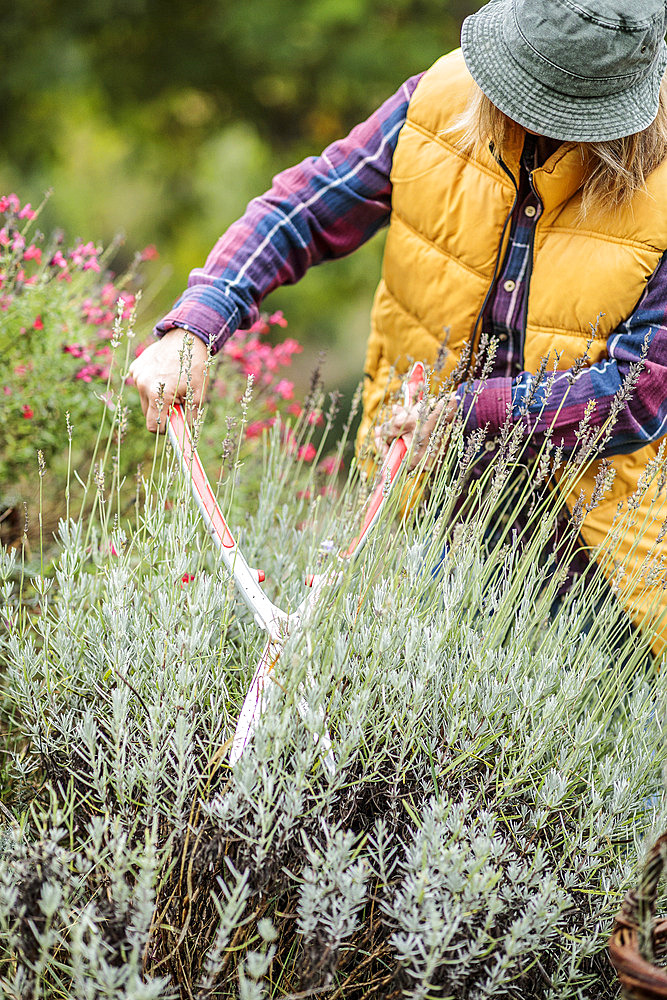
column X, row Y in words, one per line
column 405, row 422
column 161, row 375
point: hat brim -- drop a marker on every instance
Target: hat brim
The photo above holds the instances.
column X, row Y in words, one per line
column 532, row 104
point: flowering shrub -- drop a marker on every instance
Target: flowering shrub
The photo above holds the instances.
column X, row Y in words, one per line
column 61, row 316
column 58, row 310
column 496, row 774
column 250, row 358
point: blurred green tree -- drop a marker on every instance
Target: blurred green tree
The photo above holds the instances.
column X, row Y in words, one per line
column 162, row 119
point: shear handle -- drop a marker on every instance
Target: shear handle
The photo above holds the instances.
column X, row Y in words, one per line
column 247, row 579
column 412, row 391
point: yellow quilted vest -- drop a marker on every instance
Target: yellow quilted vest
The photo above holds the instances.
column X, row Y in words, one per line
column 443, row 244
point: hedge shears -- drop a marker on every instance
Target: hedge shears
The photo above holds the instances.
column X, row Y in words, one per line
column 276, row 623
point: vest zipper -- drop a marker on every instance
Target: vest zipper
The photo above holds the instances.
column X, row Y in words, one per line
column 497, row 268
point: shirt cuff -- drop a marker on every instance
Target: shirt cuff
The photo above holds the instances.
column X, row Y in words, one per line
column 485, row 404
column 201, row 321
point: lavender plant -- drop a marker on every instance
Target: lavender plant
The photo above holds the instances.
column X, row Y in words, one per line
column 497, row 764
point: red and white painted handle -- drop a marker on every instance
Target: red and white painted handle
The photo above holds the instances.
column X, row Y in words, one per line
column 412, row 392
column 247, row 579
column 267, row 615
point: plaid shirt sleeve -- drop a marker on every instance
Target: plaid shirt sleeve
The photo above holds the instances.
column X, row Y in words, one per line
column 323, row 208
column 642, row 411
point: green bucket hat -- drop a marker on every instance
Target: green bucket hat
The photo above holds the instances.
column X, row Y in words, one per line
column 576, row 70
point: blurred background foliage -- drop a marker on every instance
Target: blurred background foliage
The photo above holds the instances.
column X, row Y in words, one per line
column 160, row 120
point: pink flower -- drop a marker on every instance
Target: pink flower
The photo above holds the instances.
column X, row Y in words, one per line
column 33, row 253
column 9, row 202
column 109, row 294
column 307, row 452
column 92, row 313
column 38, row 324
column 291, row 346
column 129, row 302
column 186, row 579
column 303, row 494
column 315, row 418
column 85, row 255
column 277, row 319
column 4, row 237
column 22, row 279
column 233, row 350
column 76, row 350
column 27, row 212
column 149, row 253
column 295, row 409
column 91, row 371
column 253, row 368
column 256, row 428
column 58, row 260
column 262, row 360
column 270, row 360
column 285, row 389
column 27, row 412
column 7, row 391
column 21, row 370
column 331, row 466
column 18, row 242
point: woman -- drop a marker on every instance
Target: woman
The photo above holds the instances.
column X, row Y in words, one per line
column 524, row 181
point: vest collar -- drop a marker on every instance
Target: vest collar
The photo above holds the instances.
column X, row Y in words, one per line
column 557, row 180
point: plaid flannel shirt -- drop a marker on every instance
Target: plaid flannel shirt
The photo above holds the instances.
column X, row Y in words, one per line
column 327, row 206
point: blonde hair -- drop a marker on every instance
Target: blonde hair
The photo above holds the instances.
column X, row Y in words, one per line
column 615, row 169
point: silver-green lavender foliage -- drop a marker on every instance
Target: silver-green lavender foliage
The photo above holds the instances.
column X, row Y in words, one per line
column 496, row 775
